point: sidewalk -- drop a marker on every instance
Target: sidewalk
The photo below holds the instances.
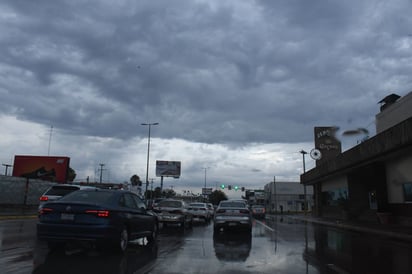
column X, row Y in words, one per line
column 18, row 211
column 394, row 231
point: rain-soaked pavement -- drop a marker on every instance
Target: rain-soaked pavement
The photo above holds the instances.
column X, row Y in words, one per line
column 277, row 245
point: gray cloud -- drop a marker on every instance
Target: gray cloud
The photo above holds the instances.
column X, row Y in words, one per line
column 231, row 72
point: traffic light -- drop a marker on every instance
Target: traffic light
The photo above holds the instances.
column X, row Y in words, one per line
column 229, row 187
column 222, row 186
column 236, row 188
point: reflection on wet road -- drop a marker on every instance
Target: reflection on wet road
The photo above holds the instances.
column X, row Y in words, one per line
column 277, row 245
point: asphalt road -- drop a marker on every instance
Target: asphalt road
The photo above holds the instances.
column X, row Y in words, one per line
column 279, row 245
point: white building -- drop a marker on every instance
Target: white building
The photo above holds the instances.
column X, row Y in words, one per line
column 287, row 197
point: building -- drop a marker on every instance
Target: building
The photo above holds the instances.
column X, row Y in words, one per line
column 373, row 180
column 287, row 197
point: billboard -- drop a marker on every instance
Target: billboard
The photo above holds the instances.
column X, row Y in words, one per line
column 48, row 168
column 327, row 143
column 168, row 169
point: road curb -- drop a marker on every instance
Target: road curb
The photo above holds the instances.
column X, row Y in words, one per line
column 358, row 228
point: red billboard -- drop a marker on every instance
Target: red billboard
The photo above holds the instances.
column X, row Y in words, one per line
column 48, row 168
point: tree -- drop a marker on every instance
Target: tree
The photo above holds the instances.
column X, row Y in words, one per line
column 216, row 196
column 71, row 174
column 135, row 180
column 169, row 193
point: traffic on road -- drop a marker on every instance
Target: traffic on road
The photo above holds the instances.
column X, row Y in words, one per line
column 276, row 244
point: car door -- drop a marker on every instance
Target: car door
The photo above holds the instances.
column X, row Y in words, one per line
column 146, row 220
column 132, row 214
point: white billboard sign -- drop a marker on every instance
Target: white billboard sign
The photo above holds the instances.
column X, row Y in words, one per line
column 168, row 169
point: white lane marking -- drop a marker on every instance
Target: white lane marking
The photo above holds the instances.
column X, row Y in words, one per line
column 265, row 226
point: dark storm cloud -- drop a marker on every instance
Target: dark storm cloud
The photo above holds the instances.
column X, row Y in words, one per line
column 262, row 71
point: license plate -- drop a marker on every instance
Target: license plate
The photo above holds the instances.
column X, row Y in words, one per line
column 67, row 217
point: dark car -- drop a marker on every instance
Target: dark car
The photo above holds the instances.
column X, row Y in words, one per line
column 232, row 215
column 101, row 216
column 258, row 211
column 173, row 211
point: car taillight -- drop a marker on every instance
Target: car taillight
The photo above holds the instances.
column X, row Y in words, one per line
column 45, row 210
column 244, row 211
column 99, row 213
column 221, row 211
column 44, row 198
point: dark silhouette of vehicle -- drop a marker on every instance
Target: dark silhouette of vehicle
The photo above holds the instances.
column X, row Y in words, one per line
column 102, row 217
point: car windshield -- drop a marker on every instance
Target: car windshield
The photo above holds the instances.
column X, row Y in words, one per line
column 89, row 196
column 170, row 204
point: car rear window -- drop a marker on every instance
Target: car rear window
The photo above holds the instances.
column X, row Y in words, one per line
column 233, row 204
column 170, row 204
column 89, row 196
column 198, row 205
column 61, row 190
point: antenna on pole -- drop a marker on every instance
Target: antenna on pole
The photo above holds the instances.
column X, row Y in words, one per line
column 50, row 137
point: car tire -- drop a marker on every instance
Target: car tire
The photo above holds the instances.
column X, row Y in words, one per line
column 153, row 236
column 123, row 240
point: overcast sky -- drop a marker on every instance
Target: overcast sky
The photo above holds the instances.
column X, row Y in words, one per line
column 236, row 86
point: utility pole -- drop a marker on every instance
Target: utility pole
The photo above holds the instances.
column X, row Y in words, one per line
column 7, row 166
column 50, row 138
column 101, row 172
column 274, row 190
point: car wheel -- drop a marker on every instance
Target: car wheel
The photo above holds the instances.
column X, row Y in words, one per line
column 124, row 240
column 153, row 235
column 182, row 225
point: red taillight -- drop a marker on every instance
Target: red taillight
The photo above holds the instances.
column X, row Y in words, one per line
column 45, row 210
column 221, row 211
column 44, row 198
column 99, row 213
column 244, row 211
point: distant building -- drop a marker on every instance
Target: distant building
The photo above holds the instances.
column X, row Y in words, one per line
column 287, row 197
column 373, row 180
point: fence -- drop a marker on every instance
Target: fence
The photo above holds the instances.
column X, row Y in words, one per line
column 21, row 191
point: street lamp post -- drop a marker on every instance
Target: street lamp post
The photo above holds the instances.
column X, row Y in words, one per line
column 148, row 152
column 304, row 186
column 204, row 195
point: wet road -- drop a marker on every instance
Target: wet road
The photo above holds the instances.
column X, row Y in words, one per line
column 278, row 245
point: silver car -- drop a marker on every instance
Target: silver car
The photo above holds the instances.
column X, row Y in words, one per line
column 200, row 211
column 173, row 211
column 232, row 215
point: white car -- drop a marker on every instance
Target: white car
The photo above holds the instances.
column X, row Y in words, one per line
column 200, row 211
column 211, row 209
column 57, row 191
